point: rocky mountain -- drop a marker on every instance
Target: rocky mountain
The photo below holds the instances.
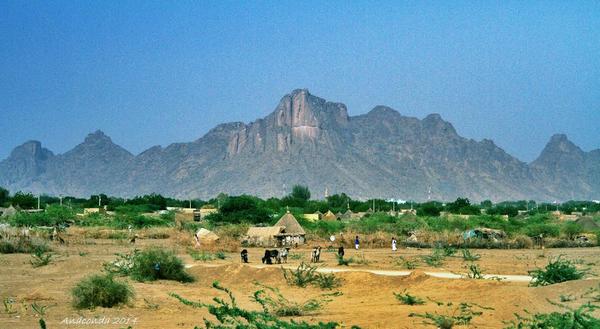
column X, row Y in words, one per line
column 308, row 140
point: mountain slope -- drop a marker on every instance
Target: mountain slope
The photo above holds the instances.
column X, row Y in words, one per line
column 311, row 141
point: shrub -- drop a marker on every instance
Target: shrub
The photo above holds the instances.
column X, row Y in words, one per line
column 408, row 299
column 557, row 271
column 156, row 264
column 302, row 276
column 409, row 264
column 460, row 315
column 201, row 255
column 581, row 317
column 100, row 290
column 523, row 242
column 39, row 259
column 449, row 251
column 475, row 272
column 273, row 302
column 327, row 281
column 122, row 265
column 230, row 316
column 23, row 245
column 436, row 259
column 343, row 262
column 469, row 257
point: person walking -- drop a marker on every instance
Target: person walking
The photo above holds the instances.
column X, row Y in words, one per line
column 356, row 243
column 394, row 248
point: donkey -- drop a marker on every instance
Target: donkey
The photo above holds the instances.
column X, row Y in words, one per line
column 269, row 255
column 316, row 254
column 283, row 255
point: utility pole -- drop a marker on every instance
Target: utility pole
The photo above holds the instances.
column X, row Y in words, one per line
column 38, row 202
column 190, row 204
column 60, row 197
column 99, row 201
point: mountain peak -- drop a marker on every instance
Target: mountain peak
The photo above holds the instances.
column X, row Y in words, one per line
column 561, row 143
column 31, row 148
column 97, row 136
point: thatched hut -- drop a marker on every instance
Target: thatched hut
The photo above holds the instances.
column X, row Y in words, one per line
column 293, row 233
column 329, row 215
column 263, row 236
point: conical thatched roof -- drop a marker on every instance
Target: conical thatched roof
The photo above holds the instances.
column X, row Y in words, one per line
column 329, row 215
column 264, row 232
column 588, row 224
column 292, row 227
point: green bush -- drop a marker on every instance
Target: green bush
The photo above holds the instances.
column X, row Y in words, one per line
column 230, row 316
column 408, row 299
column 23, row 245
column 39, row 259
column 580, row 318
column 302, row 276
column 158, row 264
column 100, row 290
column 557, row 271
column 469, row 257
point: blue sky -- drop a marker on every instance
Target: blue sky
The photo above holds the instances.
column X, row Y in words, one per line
column 153, row 73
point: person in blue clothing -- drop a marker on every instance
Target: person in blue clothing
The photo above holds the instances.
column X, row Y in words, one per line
column 356, row 243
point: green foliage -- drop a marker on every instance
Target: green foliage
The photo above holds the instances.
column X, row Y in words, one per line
column 53, row 215
column 122, row 265
column 409, row 264
column 580, row 318
column 436, row 258
column 302, row 276
column 39, row 258
column 305, row 275
column 572, row 230
column 455, row 315
column 408, row 299
column 298, row 198
column 241, row 209
column 149, row 265
column 100, row 290
column 273, row 302
column 22, row 245
column 342, row 261
column 449, row 251
column 431, row 208
column 462, row 206
column 230, row 316
column 468, row 256
column 206, row 256
column 158, row 264
column 558, row 270
column 327, row 281
column 4, row 196
column 546, row 230
column 475, row 272
column 24, row 200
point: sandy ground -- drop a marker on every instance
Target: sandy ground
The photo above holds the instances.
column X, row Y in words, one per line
column 367, row 299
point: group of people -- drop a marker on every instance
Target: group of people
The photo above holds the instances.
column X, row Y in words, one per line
column 394, row 243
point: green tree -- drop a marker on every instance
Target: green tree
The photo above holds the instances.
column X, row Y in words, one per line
column 572, row 229
column 301, row 192
column 24, row 200
column 4, row 196
column 241, row 209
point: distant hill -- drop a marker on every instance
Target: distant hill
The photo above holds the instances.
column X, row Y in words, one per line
column 311, row 141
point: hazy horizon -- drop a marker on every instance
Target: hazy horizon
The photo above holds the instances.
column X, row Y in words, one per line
column 158, row 73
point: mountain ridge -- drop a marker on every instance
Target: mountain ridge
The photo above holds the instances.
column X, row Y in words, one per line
column 312, row 141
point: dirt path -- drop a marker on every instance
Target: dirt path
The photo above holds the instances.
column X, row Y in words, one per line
column 441, row 275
